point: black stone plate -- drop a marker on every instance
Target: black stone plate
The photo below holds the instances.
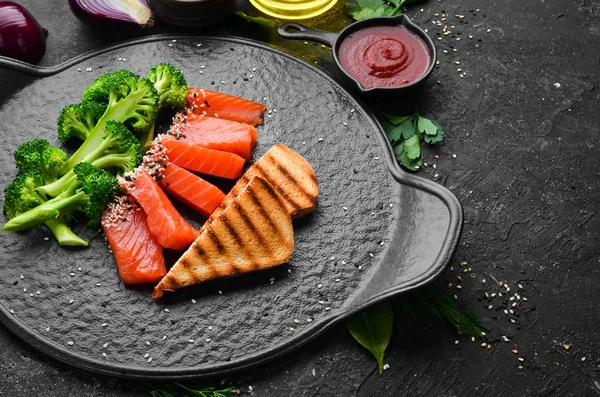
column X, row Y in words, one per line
column 377, row 230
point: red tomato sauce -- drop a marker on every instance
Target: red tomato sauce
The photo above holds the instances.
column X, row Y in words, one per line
column 384, row 56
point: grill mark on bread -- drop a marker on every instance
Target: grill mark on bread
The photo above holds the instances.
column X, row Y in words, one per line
column 268, row 178
column 248, row 222
column 290, row 177
column 261, row 210
column 215, row 240
column 233, row 233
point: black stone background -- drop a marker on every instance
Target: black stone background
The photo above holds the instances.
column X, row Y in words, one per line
column 524, row 124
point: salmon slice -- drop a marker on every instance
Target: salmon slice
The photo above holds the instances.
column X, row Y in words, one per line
column 216, row 104
column 164, row 222
column 190, row 189
column 203, row 160
column 214, row 133
column 136, row 251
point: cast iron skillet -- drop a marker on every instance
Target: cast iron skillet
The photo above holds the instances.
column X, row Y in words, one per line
column 298, row 31
column 377, row 231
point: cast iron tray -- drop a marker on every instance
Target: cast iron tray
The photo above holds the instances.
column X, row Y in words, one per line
column 377, row 230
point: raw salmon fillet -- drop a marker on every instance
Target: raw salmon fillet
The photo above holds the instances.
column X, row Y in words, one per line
column 215, row 133
column 190, row 189
column 203, row 160
column 216, row 104
column 136, row 251
column 164, row 222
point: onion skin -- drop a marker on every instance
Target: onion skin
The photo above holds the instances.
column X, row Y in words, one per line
column 98, row 13
column 21, row 36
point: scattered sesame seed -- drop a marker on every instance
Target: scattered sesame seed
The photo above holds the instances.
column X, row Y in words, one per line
column 308, row 320
column 167, row 310
column 320, row 139
column 147, row 343
column 208, row 339
column 521, row 359
column 483, row 344
column 46, row 238
column 191, row 341
column 193, row 300
column 198, row 45
column 98, row 284
column 220, row 292
column 174, row 41
column 70, row 343
column 456, row 342
column 319, row 286
column 72, row 274
column 170, row 45
column 150, row 360
column 292, row 329
column 297, row 321
column 11, row 311
column 71, row 302
column 327, row 309
column 103, row 324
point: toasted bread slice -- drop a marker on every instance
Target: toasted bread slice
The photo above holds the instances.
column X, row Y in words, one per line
column 254, row 232
column 288, row 172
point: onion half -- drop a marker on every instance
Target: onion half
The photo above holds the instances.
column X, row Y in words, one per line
column 21, row 36
column 99, row 12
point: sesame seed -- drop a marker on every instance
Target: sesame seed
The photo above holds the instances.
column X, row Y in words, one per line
column 456, row 342
column 105, row 345
column 327, row 309
column 11, row 311
column 220, row 292
column 150, row 360
column 292, row 329
column 208, row 339
column 174, row 41
column 319, row 286
column 190, row 341
column 198, row 45
column 193, row 300
column 98, row 284
column 71, row 302
column 308, row 320
column 297, row 321
column 146, row 355
column 164, row 337
column 170, row 45
column 70, row 343
column 521, row 359
column 103, row 324
column 167, row 310
column 147, row 343
column 72, row 274
column 46, row 238
column 515, row 351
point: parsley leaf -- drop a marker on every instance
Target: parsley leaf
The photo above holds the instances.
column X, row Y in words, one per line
column 376, row 8
column 258, row 20
column 406, row 133
column 412, row 147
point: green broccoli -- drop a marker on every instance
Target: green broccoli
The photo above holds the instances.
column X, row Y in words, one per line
column 78, row 121
column 127, row 99
column 38, row 154
column 21, row 196
column 119, row 149
column 170, row 84
column 172, row 90
column 91, row 193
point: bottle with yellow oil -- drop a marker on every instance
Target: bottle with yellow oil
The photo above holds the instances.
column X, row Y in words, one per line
column 293, row 9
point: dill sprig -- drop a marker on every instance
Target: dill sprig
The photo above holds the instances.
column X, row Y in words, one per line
column 193, row 391
column 433, row 302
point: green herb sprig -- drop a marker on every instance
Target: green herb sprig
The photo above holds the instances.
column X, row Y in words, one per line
column 373, row 327
column 406, row 133
column 193, row 391
column 363, row 9
column 258, row 20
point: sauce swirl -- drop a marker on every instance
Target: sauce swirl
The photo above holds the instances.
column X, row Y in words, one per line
column 384, row 56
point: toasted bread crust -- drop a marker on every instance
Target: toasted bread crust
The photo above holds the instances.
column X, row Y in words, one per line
column 288, row 172
column 254, row 232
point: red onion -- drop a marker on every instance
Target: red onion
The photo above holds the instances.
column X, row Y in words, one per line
column 21, row 36
column 99, row 12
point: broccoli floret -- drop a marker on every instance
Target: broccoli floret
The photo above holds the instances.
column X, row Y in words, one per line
column 91, row 193
column 38, row 154
column 170, row 84
column 78, row 121
column 119, row 149
column 127, row 99
column 21, row 196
